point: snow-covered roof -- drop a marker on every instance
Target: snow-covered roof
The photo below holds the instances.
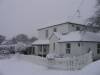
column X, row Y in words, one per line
column 38, row 42
column 60, row 22
column 80, row 36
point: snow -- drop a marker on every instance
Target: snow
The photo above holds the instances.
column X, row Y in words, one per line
column 17, row 67
column 50, row 56
column 20, row 46
column 92, row 69
column 58, row 35
column 37, row 42
column 14, row 66
column 61, row 21
column 80, row 36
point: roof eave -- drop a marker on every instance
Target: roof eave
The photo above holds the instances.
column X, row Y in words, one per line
column 78, row 41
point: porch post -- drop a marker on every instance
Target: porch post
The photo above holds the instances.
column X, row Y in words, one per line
column 32, row 50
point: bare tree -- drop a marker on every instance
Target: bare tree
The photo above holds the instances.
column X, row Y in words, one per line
column 32, row 39
column 2, row 38
column 21, row 38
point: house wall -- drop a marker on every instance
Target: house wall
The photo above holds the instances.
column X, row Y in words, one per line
column 60, row 47
column 75, row 50
column 79, row 50
column 60, row 28
column 53, row 40
column 93, row 47
column 73, row 27
column 64, row 28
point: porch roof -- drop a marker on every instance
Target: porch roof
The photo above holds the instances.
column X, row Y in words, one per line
column 80, row 36
column 41, row 42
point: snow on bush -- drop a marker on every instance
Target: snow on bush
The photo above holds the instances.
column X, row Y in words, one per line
column 20, row 47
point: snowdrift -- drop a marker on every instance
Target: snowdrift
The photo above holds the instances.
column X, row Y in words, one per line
column 91, row 69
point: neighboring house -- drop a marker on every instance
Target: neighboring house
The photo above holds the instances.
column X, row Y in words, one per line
column 67, row 39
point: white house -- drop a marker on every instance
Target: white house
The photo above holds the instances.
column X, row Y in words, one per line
column 67, row 39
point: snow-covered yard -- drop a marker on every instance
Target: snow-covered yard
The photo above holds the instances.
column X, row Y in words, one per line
column 15, row 66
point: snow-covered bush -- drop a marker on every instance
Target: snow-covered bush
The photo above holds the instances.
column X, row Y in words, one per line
column 4, row 49
column 20, row 47
column 50, row 56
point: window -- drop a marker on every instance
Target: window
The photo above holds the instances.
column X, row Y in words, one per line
column 77, row 28
column 68, row 47
column 72, row 25
column 54, row 46
column 79, row 44
column 98, row 48
column 55, row 29
column 46, row 34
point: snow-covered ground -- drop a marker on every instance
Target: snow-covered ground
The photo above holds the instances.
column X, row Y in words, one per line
column 14, row 66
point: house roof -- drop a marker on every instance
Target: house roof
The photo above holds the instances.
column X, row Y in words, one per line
column 56, row 24
column 80, row 36
column 39, row 42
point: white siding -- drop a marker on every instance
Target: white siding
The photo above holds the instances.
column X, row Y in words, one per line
column 92, row 46
column 73, row 27
column 60, row 47
column 76, row 50
column 60, row 29
column 53, row 40
column 64, row 28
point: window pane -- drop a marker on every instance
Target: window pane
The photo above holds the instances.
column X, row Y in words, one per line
column 98, row 45
column 98, row 51
column 68, row 45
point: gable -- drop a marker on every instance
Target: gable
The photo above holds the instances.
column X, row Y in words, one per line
column 56, row 34
column 54, row 37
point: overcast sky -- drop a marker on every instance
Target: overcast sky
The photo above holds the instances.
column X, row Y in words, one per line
column 25, row 16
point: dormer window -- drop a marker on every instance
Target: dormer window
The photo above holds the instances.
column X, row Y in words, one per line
column 55, row 29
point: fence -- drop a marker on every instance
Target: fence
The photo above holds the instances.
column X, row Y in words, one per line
column 32, row 58
column 70, row 63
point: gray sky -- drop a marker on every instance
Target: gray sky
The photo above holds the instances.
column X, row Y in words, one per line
column 25, row 16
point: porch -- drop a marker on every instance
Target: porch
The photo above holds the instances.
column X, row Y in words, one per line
column 41, row 47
